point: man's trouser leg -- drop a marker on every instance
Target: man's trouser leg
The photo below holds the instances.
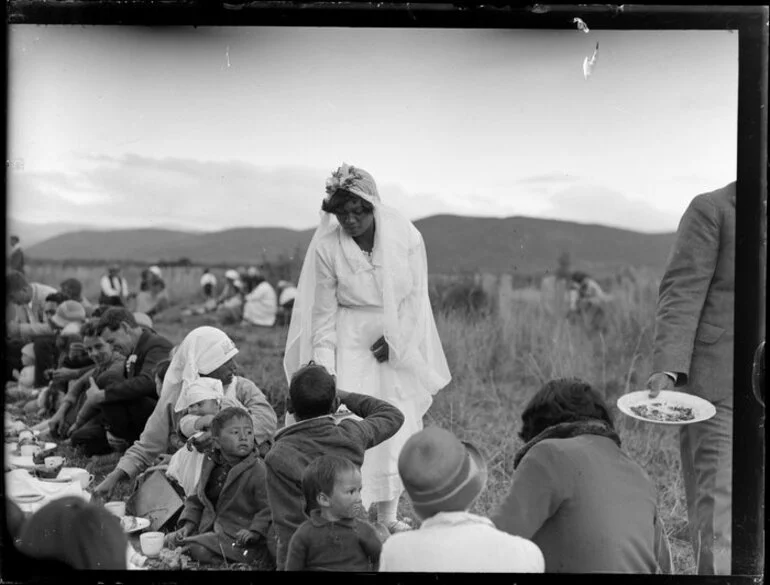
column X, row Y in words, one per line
column 126, row 419
column 91, row 437
column 707, row 466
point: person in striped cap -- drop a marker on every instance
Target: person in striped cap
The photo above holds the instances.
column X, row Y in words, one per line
column 443, row 477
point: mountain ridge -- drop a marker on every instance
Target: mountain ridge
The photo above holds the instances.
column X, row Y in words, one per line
column 454, row 244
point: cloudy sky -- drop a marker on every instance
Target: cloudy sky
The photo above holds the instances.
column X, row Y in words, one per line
column 212, row 128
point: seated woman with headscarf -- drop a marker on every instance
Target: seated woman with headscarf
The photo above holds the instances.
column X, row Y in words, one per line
column 154, row 300
column 261, row 303
column 575, row 493
column 230, row 302
column 205, row 352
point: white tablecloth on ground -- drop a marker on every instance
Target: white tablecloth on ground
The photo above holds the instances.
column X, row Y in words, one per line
column 20, row 481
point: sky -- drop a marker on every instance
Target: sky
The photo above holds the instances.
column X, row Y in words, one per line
column 211, row 128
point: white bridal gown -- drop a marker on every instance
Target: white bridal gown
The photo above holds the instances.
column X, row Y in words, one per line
column 347, row 319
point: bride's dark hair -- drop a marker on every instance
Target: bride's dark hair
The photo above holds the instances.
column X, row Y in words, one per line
column 340, row 198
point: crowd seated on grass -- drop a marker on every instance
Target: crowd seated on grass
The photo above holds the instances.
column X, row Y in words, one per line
column 120, row 394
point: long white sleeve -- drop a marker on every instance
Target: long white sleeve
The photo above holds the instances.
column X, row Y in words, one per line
column 324, row 320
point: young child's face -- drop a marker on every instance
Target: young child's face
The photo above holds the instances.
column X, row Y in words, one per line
column 236, row 438
column 27, row 360
column 208, row 406
column 345, row 499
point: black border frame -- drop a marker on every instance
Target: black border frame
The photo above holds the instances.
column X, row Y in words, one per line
column 750, row 23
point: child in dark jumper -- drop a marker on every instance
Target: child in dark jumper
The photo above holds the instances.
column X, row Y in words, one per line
column 333, row 538
column 314, row 398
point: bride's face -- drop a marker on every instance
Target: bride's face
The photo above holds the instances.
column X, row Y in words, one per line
column 354, row 218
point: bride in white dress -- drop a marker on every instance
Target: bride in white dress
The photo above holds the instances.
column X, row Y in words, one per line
column 362, row 311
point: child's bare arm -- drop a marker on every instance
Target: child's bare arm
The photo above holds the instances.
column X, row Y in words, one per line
column 204, row 422
column 187, row 425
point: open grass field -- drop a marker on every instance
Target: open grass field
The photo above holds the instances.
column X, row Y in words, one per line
column 497, row 364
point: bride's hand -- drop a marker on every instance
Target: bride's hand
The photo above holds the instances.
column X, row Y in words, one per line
column 381, row 350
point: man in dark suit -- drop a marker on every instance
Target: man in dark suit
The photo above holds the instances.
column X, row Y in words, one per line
column 693, row 351
column 126, row 404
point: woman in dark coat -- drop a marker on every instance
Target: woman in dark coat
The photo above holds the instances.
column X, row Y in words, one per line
column 575, row 493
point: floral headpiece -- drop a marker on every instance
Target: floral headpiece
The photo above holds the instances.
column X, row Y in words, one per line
column 344, row 177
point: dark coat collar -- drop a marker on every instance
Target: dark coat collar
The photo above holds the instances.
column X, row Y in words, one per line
column 568, row 430
column 316, row 519
column 303, row 425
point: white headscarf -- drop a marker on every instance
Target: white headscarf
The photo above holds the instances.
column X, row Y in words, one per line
column 201, row 352
column 199, row 390
column 419, row 349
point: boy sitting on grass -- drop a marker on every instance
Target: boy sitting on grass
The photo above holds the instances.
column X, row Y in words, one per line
column 333, row 538
column 228, row 516
column 314, row 398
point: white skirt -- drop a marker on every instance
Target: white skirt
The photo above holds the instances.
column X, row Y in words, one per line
column 358, row 371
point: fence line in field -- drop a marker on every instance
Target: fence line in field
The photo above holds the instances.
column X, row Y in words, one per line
column 502, row 292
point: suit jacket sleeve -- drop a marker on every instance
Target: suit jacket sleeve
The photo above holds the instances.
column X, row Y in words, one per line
column 143, row 384
column 685, row 285
column 77, row 387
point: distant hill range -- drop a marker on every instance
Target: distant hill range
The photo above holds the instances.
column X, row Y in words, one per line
column 454, row 244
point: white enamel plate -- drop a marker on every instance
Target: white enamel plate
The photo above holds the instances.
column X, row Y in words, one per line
column 667, row 408
column 134, row 523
